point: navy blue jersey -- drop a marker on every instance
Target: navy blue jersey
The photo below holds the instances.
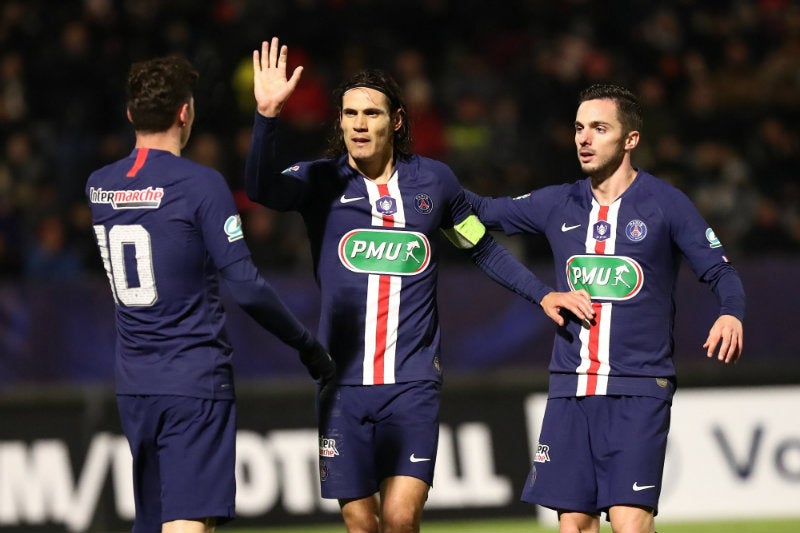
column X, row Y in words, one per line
column 627, row 256
column 164, row 225
column 374, row 248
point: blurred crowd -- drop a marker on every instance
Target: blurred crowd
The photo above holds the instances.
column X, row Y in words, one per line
column 491, row 89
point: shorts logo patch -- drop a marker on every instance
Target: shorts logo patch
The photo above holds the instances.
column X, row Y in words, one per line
column 423, row 203
column 532, row 478
column 327, row 447
column 386, row 205
column 542, row 453
column 323, row 470
column 636, row 230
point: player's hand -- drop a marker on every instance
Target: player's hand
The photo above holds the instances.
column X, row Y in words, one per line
column 319, row 363
column 726, row 334
column 579, row 303
column 270, row 86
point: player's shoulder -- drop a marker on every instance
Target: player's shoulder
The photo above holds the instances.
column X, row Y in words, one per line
column 659, row 189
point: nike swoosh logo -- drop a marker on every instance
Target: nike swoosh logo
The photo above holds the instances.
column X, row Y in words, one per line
column 346, row 200
column 637, row 487
column 418, row 459
column 564, row 226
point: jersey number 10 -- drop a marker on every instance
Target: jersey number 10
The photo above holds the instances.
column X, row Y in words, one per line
column 112, row 251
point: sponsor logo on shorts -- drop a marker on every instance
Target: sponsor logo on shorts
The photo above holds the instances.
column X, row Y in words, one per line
column 327, row 447
column 379, row 251
column 636, row 487
column 542, row 453
column 414, row 459
column 610, row 277
column 149, row 198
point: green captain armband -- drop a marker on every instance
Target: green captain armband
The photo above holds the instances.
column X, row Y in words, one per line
column 466, row 233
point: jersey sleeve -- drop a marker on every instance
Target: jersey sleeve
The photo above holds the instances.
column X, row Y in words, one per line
column 218, row 219
column 513, row 215
column 265, row 183
column 705, row 254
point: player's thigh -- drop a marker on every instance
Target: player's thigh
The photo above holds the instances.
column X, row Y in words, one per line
column 407, row 431
column 361, row 515
column 198, row 459
column 570, row 522
column 189, row 526
column 402, row 501
column 630, row 518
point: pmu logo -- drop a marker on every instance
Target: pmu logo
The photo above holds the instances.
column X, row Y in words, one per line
column 607, row 277
column 380, row 251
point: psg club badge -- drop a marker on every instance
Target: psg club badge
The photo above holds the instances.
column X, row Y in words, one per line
column 386, row 205
column 423, row 203
column 636, row 230
column 601, row 230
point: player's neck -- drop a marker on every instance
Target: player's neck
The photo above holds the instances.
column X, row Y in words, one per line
column 607, row 189
column 379, row 172
column 164, row 140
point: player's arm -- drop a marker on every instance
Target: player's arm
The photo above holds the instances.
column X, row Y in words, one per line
column 501, row 266
column 257, row 297
column 726, row 335
column 263, row 181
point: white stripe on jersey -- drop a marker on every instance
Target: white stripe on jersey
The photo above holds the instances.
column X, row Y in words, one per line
column 595, row 353
column 382, row 311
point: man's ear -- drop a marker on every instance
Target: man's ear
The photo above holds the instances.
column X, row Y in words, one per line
column 183, row 115
column 398, row 119
column 632, row 140
column 128, row 114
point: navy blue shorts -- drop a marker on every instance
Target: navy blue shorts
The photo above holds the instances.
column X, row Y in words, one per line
column 370, row 432
column 184, row 458
column 596, row 452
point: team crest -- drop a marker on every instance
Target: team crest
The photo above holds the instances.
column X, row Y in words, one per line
column 323, row 470
column 636, row 230
column 423, row 203
column 386, row 205
column 601, row 230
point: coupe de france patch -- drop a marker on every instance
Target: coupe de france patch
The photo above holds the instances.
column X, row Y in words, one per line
column 380, row 251
column 636, row 230
column 712, row 239
column 233, row 228
column 601, row 230
column 386, row 205
column 423, row 203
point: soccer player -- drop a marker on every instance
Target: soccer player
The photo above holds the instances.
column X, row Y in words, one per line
column 619, row 235
column 167, row 228
column 373, row 212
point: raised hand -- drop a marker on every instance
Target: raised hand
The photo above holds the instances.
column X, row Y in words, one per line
column 579, row 303
column 270, row 86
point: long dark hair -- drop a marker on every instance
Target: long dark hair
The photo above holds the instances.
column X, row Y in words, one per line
column 382, row 82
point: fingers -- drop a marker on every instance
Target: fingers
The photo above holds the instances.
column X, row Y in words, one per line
column 725, row 339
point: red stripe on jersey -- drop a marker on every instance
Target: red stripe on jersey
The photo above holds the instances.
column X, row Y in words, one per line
column 382, row 319
column 141, row 156
column 594, row 344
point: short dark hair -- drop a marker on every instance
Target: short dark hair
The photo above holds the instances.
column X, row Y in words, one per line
column 384, row 83
column 156, row 89
column 629, row 110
